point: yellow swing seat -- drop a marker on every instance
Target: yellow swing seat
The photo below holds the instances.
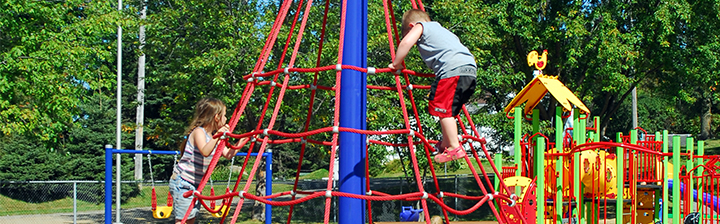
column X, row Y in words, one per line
column 223, row 211
column 161, row 212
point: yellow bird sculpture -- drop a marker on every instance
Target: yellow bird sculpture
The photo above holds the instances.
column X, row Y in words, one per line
column 539, row 62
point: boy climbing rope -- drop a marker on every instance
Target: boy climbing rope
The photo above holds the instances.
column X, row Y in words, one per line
column 455, row 72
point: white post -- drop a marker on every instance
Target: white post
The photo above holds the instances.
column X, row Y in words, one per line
column 118, row 114
column 74, row 202
column 117, row 189
column 140, row 111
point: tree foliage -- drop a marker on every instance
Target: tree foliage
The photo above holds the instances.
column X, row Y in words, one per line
column 52, row 52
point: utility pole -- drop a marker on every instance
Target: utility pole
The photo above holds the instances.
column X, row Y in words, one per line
column 140, row 112
column 118, row 116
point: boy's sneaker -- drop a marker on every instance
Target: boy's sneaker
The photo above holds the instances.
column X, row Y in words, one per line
column 450, row 155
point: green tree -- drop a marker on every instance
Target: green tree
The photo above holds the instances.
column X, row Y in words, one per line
column 599, row 49
column 22, row 159
column 194, row 50
column 50, row 53
column 94, row 127
column 699, row 47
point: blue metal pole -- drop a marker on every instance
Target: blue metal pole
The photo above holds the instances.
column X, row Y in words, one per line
column 353, row 114
column 268, row 186
column 108, row 184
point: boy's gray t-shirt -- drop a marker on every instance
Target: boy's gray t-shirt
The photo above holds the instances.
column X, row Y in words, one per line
column 442, row 51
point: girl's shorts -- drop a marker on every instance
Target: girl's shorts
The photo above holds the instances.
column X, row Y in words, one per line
column 178, row 186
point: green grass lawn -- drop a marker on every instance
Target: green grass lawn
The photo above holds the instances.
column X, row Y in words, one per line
column 712, row 147
column 9, row 206
column 315, row 175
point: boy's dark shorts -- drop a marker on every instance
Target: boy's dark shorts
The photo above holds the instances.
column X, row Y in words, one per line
column 448, row 95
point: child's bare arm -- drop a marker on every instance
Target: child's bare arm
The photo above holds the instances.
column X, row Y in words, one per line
column 206, row 147
column 228, row 153
column 405, row 45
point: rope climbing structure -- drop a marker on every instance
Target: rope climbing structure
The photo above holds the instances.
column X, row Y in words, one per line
column 278, row 80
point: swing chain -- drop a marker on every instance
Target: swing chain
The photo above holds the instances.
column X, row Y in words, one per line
column 232, row 162
column 152, row 179
column 152, row 176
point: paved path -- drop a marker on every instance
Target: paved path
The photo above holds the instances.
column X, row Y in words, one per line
column 53, row 218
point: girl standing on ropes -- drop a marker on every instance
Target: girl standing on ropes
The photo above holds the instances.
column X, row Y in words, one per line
column 196, row 153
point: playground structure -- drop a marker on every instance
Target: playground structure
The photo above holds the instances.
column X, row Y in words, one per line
column 588, row 181
column 576, row 178
column 585, row 191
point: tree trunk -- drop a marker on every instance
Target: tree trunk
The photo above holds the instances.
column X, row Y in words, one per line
column 706, row 120
column 258, row 211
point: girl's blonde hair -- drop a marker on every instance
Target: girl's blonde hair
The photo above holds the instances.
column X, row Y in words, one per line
column 205, row 111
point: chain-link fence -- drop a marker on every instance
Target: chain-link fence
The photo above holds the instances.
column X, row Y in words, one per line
column 37, row 201
column 389, row 211
column 82, row 202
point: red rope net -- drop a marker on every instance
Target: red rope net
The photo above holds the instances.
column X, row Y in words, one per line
column 260, row 135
